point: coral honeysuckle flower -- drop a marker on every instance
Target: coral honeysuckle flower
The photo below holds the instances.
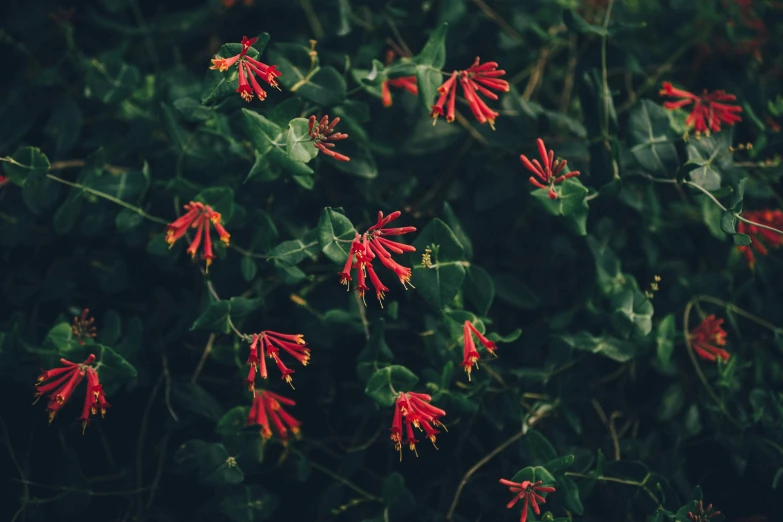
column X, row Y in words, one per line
column 198, row 216
column 248, row 69
column 707, row 112
column 63, row 382
column 268, row 413
column 762, row 238
column 479, row 79
column 322, row 134
column 372, row 245
column 3, row 180
column 548, row 174
column 414, row 411
column 268, row 344
column 470, row 354
column 702, row 514
column 708, row 338
column 405, row 82
column 528, row 492
column 83, row 327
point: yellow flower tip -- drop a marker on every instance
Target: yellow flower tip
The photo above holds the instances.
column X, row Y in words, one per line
column 297, row 433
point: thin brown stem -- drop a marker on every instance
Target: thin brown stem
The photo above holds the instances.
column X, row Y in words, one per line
column 739, row 311
column 203, row 360
column 477, row 466
column 492, row 15
column 641, row 485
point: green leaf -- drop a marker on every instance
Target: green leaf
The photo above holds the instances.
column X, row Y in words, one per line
column 541, row 449
column 651, row 139
column 429, row 63
column 454, row 224
column 27, row 162
column 112, row 367
column 615, row 349
column 375, row 354
column 393, row 487
column 379, row 386
column 713, row 159
column 515, row 292
column 67, row 214
column 110, row 80
column 248, row 504
column 439, row 283
column 570, row 198
column 633, row 313
column 664, row 340
column 221, row 199
column 534, row 474
column 60, row 339
column 510, row 338
column 479, row 288
column 298, row 144
column 295, row 250
column 212, row 462
column 65, row 124
column 579, row 25
column 570, row 494
column 335, row 234
column 270, row 143
column 248, row 268
column 323, row 86
column 215, row 318
column 233, row 421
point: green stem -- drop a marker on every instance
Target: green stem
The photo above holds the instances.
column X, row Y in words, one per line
column 108, row 197
column 739, row 217
column 604, row 70
column 641, row 485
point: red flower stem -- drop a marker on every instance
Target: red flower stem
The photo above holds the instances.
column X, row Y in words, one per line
column 687, row 335
column 477, row 466
column 641, row 485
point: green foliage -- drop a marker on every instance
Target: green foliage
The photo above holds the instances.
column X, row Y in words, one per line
column 112, row 121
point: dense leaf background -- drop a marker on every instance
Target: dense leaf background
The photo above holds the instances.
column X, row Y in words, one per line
column 598, row 394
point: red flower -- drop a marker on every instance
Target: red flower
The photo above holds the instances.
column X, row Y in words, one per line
column 761, row 236
column 478, row 79
column 268, row 344
column 3, row 180
column 83, row 327
column 707, row 113
column 470, row 354
column 268, row 413
column 548, row 174
column 198, row 216
column 529, row 493
column 708, row 337
column 414, row 410
column 701, row 514
column 374, row 244
column 323, row 134
column 248, row 69
column 405, row 82
column 63, row 382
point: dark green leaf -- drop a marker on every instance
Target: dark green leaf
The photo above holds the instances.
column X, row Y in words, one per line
column 335, row 234
column 379, row 386
column 439, row 282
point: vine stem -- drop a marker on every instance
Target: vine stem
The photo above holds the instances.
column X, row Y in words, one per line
column 341, row 479
column 492, row 454
column 641, row 485
column 739, row 311
column 604, row 71
column 703, row 378
column 214, row 293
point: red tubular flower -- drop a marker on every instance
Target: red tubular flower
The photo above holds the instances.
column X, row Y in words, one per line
column 415, row 410
column 701, row 514
column 374, row 244
column 528, row 492
column 323, row 134
column 470, row 354
column 707, row 113
column 549, row 173
column 707, row 339
column 64, row 381
column 198, row 216
column 447, row 92
column 268, row 413
column 248, row 69
column 268, row 344
column 482, row 79
column 762, row 238
column 83, row 327
column 405, row 82
column 3, row 180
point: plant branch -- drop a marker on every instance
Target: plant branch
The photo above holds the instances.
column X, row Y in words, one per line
column 739, row 311
column 492, row 454
column 641, row 485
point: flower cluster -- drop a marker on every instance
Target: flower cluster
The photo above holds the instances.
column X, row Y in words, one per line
column 707, row 113
column 371, row 245
column 470, row 354
column 248, row 68
column 268, row 413
column 528, row 492
column 415, row 410
column 707, row 339
column 83, row 327
column 198, row 216
column 268, row 344
column 64, row 381
column 478, row 79
column 762, row 237
column 407, row 83
column 701, row 514
column 548, row 174
column 322, row 134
